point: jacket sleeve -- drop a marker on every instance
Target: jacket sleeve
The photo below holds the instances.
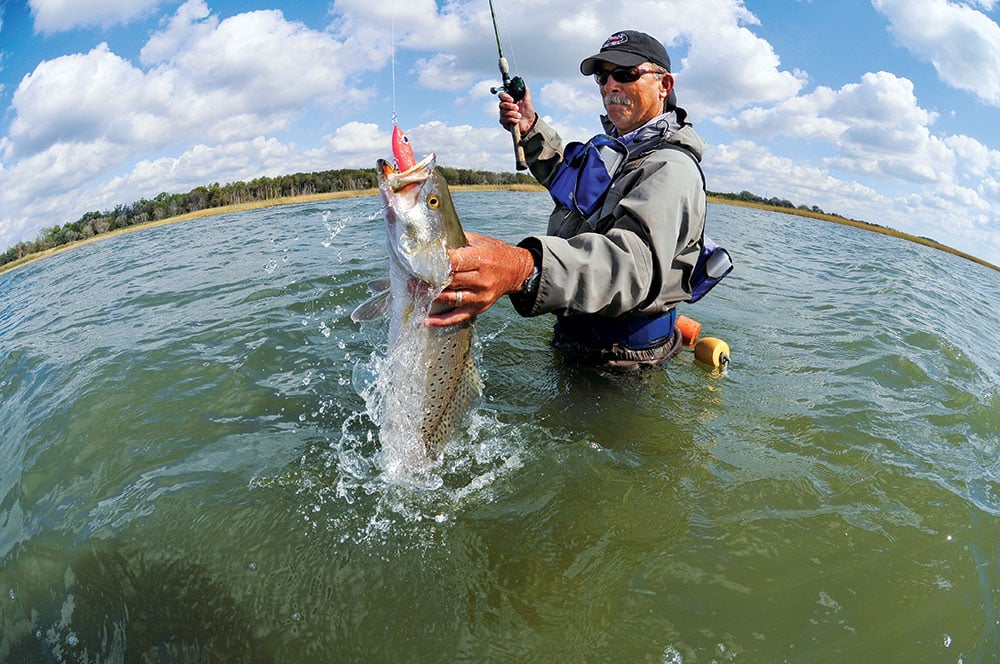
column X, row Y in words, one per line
column 638, row 257
column 543, row 150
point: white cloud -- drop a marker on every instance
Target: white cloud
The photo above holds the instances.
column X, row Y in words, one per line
column 576, row 98
column 62, row 15
column 442, row 72
column 962, row 43
column 802, row 117
column 479, row 97
column 207, row 81
column 746, row 71
column 747, row 166
column 200, row 165
column 357, row 138
column 962, row 216
column 260, row 62
column 875, row 126
column 85, row 97
column 460, row 42
column 464, row 146
column 191, row 23
column 976, row 160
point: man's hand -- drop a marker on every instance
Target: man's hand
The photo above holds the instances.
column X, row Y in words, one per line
column 482, row 273
column 522, row 112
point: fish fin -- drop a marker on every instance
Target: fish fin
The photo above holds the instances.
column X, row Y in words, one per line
column 471, row 380
column 379, row 285
column 472, row 386
column 375, row 307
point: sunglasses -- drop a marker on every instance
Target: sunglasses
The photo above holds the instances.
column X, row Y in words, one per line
column 622, row 74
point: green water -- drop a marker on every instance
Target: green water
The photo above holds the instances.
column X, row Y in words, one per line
column 188, row 471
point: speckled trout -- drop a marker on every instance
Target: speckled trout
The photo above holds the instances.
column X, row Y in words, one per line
column 429, row 379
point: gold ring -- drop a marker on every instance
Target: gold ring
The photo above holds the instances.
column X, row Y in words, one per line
column 458, row 298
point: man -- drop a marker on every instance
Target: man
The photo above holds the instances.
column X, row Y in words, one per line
column 613, row 277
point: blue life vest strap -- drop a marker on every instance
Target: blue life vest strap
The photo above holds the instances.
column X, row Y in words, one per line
column 587, row 170
column 636, row 333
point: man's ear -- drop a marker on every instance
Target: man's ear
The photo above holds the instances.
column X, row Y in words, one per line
column 667, row 83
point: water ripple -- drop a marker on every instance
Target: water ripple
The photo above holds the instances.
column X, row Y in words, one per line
column 188, row 460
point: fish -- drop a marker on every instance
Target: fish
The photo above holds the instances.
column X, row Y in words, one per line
column 428, row 381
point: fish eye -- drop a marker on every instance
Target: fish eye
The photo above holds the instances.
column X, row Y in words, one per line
column 433, row 202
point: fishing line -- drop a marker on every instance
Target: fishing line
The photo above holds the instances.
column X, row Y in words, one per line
column 510, row 44
column 514, row 87
column 392, row 51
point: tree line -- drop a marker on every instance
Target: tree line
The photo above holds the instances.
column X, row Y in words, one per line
column 261, row 189
column 747, row 197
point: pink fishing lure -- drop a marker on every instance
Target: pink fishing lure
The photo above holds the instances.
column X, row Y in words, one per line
column 402, row 151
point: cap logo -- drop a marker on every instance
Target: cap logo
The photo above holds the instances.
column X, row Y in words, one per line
column 615, row 40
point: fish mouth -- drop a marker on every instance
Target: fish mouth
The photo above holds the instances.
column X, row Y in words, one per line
column 396, row 181
column 402, row 194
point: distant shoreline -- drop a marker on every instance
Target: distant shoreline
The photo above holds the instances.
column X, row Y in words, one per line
column 359, row 193
column 863, row 225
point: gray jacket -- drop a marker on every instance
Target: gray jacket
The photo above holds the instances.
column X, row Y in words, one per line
column 636, row 254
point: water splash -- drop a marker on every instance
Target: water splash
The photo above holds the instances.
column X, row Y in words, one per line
column 343, row 487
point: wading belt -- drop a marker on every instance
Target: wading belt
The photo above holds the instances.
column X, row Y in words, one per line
column 636, row 333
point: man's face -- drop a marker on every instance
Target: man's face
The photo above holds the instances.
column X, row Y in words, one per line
column 632, row 104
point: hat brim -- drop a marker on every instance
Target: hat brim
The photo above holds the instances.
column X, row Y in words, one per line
column 620, row 58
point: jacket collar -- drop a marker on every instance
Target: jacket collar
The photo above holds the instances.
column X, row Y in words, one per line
column 672, row 126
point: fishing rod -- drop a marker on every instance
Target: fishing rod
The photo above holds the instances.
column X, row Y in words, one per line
column 516, row 88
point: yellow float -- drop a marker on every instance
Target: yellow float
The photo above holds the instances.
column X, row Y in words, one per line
column 711, row 351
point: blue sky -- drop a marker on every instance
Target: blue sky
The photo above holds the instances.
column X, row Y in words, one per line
column 880, row 110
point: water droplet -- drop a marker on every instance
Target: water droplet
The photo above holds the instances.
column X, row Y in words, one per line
column 672, row 656
column 72, row 641
column 296, row 617
column 947, row 640
column 252, row 567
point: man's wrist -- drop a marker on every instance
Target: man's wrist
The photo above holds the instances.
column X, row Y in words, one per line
column 525, row 132
column 530, row 285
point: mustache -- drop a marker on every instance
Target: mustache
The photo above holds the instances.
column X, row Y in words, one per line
column 617, row 99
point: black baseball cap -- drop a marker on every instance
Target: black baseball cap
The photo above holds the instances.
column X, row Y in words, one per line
column 628, row 48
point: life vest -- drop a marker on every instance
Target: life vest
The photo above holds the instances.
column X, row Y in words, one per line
column 582, row 182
